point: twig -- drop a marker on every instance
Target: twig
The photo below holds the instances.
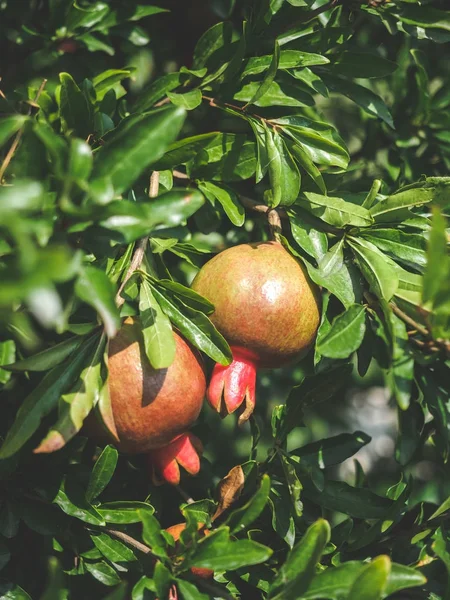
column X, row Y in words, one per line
column 127, row 539
column 179, row 174
column 407, row 319
column 188, row 499
column 19, row 135
column 274, row 220
column 433, row 345
column 162, row 102
column 262, row 208
column 141, row 246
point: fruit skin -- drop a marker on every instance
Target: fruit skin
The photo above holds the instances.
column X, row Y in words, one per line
column 176, row 531
column 151, row 406
column 268, row 310
column 264, row 301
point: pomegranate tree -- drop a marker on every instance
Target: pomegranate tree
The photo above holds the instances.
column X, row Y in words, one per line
column 153, row 409
column 268, row 310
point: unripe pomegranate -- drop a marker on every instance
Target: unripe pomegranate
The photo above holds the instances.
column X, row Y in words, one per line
column 268, row 310
column 152, row 408
column 176, row 531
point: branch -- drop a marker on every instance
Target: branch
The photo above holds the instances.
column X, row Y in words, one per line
column 141, row 246
column 433, row 344
column 127, row 539
column 19, row 135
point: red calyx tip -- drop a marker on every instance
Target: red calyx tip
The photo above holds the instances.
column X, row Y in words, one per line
column 185, row 451
column 233, row 386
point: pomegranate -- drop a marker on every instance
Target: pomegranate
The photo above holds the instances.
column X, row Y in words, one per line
column 268, row 310
column 176, row 531
column 152, row 409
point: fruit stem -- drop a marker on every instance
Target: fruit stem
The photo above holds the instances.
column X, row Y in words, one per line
column 141, row 246
column 273, row 217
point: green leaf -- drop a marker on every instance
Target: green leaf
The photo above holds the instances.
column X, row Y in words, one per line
column 302, row 158
column 151, row 533
column 283, row 172
column 346, row 334
column 227, row 198
column 314, row 389
column 103, row 572
column 22, row 196
column 437, row 273
column 396, row 207
column 159, row 88
column 80, row 160
column 376, row 267
column 357, row 502
column 286, row 91
column 310, row 240
column 94, row 288
column 74, row 109
column 7, row 355
column 334, row 583
column 365, row 98
column 188, row 100
column 195, row 327
column 49, row 358
column 362, row 65
column 269, row 76
column 159, row 341
column 241, row 518
column 43, row 399
column 12, row 591
column 217, row 552
column 189, row 591
column 71, row 500
column 296, row 574
column 138, row 142
column 123, row 512
column 187, row 295
column 335, row 211
column 332, row 451
column 112, row 549
column 336, row 275
column 227, row 157
column 9, row 126
column 215, row 38
column 401, row 373
column 102, row 472
column 371, row 582
column 318, row 140
column 132, row 220
column 409, row 248
column 108, row 79
column 182, row 151
column 75, row 406
column 288, row 59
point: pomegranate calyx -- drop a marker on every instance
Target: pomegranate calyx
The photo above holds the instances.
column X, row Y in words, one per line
column 184, row 450
column 233, row 386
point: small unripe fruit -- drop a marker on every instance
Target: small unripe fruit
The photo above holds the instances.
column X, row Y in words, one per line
column 176, row 531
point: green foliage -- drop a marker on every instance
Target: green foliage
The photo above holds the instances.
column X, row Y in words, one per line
column 334, row 114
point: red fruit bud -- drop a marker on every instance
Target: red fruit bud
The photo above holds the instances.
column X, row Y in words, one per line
column 184, row 451
column 234, row 384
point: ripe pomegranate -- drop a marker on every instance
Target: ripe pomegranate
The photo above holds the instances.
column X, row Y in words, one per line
column 152, row 409
column 268, row 310
column 176, row 531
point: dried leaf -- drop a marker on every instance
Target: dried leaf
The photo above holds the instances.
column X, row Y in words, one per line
column 229, row 490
